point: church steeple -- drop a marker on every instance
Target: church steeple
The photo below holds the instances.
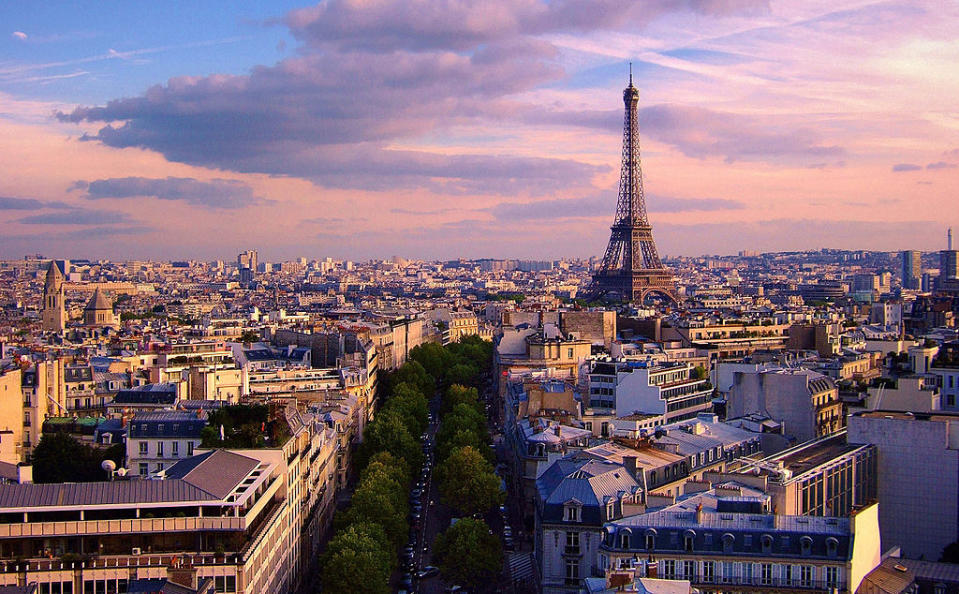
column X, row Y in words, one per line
column 54, row 316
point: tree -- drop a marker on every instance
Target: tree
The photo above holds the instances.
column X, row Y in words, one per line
column 698, row 372
column 459, row 394
column 356, row 560
column 413, row 404
column 465, row 374
column 382, row 501
column 413, row 373
column 398, row 469
column 389, row 433
column 433, row 357
column 250, row 336
column 468, row 554
column 59, row 458
column 463, row 438
column 467, row 482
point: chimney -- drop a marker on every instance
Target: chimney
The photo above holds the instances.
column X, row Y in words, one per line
column 630, row 463
column 559, row 430
column 652, row 569
column 699, row 513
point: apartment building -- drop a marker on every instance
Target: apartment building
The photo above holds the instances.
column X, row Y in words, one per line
column 665, row 388
column 725, row 539
column 805, row 402
column 158, row 440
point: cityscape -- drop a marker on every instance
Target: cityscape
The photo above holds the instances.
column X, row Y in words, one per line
column 329, row 310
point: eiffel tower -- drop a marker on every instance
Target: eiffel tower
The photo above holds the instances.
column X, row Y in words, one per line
column 631, row 269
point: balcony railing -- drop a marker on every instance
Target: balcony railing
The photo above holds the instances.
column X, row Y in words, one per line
column 769, row 582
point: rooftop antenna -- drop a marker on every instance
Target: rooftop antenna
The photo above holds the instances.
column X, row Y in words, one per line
column 631, row 84
column 949, row 239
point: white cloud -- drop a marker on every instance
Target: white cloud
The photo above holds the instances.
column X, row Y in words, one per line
column 19, row 35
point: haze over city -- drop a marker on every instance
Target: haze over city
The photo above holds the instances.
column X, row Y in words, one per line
column 441, row 130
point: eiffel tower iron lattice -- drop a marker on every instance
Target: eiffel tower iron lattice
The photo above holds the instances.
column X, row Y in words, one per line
column 631, row 269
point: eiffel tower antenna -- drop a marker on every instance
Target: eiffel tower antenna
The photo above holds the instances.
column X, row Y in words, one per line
column 631, row 269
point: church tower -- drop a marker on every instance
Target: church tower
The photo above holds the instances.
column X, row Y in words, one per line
column 54, row 315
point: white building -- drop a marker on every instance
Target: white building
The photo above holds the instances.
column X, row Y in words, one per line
column 664, row 388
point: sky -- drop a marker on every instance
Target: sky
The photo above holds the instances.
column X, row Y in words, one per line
column 442, row 129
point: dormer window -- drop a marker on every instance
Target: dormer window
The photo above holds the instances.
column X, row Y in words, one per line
column 572, row 513
column 767, row 543
column 650, row 540
column 689, row 539
column 832, row 546
column 611, row 511
column 805, row 545
column 728, row 541
column 624, row 541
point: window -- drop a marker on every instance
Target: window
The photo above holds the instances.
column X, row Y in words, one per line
column 144, row 448
column 144, row 469
column 159, row 448
column 572, row 513
column 624, row 541
column 189, row 448
column 158, row 467
column 650, row 541
column 767, row 543
column 805, row 545
column 832, row 577
column 747, row 573
column 709, row 571
column 806, row 576
column 832, row 546
column 689, row 570
column 572, row 542
column 175, row 448
column 787, row 574
column 572, row 572
column 689, row 538
column 669, row 569
column 727, row 572
column 766, row 574
column 223, row 583
column 728, row 541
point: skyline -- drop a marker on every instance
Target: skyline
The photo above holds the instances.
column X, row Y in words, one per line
column 360, row 131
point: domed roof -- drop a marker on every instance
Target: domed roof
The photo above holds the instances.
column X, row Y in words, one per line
column 98, row 302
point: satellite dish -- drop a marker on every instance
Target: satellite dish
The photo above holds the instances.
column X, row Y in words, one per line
column 108, row 465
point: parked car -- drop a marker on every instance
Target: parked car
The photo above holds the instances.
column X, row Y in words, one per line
column 428, row 572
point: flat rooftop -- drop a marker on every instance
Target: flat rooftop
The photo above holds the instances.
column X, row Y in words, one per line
column 805, row 458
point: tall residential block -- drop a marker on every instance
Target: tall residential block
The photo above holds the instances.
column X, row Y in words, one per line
column 911, row 269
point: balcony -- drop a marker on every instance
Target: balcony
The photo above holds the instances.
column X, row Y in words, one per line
column 759, row 584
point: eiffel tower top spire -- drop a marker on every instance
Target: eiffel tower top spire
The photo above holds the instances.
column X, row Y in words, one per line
column 631, row 268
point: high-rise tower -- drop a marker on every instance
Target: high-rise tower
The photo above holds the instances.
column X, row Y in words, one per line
column 631, row 269
column 54, row 317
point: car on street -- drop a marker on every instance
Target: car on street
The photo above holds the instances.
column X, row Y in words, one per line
column 428, row 572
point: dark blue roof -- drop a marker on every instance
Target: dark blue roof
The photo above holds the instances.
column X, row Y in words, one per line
column 148, row 394
column 174, row 423
column 591, row 483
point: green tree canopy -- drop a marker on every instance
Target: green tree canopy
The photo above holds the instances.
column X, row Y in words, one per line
column 389, row 433
column 434, row 358
column 459, row 394
column 381, row 500
column 465, row 374
column 468, row 554
column 467, row 482
column 398, row 469
column 59, row 458
column 357, row 560
column 413, row 373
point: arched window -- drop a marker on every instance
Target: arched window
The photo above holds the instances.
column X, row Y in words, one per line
column 689, row 540
column 624, row 540
column 650, row 540
column 832, row 546
column 767, row 543
column 728, row 541
column 805, row 545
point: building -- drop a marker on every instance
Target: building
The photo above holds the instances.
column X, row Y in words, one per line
column 53, row 316
column 98, row 312
column 575, row 499
column 158, row 440
column 918, row 477
column 946, row 369
column 237, row 518
column 670, row 389
column 825, row 477
column 725, row 539
column 911, row 269
column 547, row 349
column 805, row 402
column 948, row 264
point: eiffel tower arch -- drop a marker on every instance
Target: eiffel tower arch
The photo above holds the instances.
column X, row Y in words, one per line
column 631, row 269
